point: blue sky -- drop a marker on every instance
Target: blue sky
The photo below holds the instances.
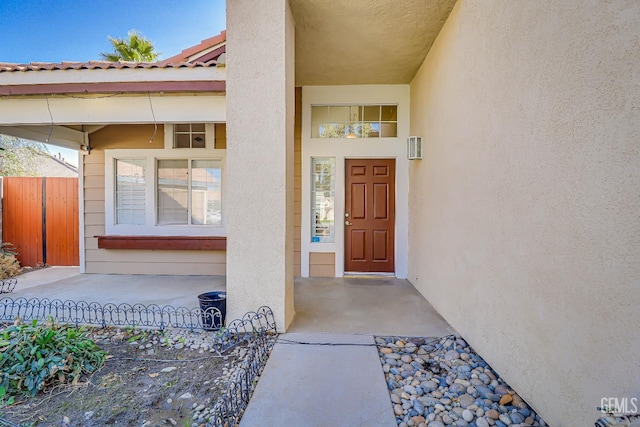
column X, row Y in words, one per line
column 68, row 30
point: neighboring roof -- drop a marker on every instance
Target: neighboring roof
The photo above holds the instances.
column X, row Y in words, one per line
column 53, row 165
column 56, row 166
column 207, row 50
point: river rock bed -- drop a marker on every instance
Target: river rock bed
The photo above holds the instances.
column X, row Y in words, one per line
column 438, row 382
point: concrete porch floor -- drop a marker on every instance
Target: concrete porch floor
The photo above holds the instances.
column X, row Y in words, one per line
column 66, row 283
column 370, row 306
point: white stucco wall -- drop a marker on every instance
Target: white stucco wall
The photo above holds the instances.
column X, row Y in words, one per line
column 524, row 214
column 260, row 125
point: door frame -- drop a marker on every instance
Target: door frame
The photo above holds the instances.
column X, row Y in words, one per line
column 341, row 149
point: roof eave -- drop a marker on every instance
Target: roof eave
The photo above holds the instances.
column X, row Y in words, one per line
column 113, row 87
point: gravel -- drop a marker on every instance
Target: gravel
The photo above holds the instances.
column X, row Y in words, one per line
column 200, row 342
column 439, row 382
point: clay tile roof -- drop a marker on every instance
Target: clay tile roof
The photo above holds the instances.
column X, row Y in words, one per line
column 210, row 50
column 99, row 65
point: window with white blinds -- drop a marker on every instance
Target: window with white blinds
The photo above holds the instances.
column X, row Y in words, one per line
column 173, row 190
column 130, row 191
column 189, row 192
column 165, row 193
column 206, row 192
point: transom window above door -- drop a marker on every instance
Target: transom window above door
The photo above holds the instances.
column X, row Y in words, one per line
column 354, row 121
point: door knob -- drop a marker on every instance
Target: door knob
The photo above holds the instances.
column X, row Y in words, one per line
column 347, row 223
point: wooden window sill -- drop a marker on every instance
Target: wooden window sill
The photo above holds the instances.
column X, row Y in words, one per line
column 198, row 243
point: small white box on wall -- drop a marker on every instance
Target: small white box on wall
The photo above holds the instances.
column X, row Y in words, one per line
column 414, row 148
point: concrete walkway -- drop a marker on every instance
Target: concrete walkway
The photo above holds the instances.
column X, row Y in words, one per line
column 330, row 380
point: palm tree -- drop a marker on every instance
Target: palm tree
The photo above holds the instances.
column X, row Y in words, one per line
column 135, row 48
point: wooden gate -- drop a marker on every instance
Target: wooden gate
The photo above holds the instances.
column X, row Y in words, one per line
column 40, row 219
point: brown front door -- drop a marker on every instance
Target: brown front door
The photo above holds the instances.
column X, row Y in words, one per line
column 369, row 215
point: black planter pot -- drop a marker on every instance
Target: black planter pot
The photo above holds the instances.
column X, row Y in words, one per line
column 208, row 302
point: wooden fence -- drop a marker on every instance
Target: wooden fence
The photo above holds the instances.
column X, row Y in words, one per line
column 40, row 219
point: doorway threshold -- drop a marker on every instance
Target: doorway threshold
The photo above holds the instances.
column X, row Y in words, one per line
column 367, row 274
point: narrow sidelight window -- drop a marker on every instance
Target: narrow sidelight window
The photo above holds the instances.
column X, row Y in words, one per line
column 322, row 199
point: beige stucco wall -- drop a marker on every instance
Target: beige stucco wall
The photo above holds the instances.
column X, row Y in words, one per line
column 221, row 143
column 130, row 261
column 524, row 212
column 260, row 158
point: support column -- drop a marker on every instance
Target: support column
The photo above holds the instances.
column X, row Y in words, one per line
column 259, row 164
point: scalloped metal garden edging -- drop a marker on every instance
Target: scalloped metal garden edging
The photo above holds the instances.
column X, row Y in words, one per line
column 232, row 403
column 140, row 316
column 8, row 285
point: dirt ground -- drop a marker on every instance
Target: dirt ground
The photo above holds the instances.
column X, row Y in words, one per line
column 146, row 381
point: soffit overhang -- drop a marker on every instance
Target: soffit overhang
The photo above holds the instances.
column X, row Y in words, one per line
column 341, row 42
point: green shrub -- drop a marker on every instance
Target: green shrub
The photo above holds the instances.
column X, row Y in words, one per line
column 4, row 401
column 35, row 356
